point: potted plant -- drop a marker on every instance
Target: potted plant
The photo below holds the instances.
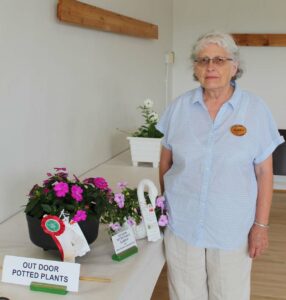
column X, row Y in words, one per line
column 82, row 201
column 124, row 210
column 145, row 142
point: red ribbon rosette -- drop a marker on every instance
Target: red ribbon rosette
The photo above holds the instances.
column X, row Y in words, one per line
column 54, row 226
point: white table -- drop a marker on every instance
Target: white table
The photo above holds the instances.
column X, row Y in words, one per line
column 132, row 278
column 279, row 183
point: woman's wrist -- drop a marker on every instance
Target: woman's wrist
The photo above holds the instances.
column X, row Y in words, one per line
column 261, row 225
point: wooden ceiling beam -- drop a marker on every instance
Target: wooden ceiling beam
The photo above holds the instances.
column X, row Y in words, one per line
column 263, row 39
column 76, row 12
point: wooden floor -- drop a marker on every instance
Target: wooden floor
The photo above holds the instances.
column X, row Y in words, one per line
column 269, row 270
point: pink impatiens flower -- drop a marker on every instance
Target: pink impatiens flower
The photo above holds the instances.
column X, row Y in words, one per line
column 60, row 169
column 119, row 199
column 131, row 221
column 160, row 202
column 61, row 189
column 80, row 216
column 163, row 220
column 101, row 183
column 115, row 226
column 46, row 191
column 46, row 181
column 122, row 185
column 88, row 180
column 77, row 192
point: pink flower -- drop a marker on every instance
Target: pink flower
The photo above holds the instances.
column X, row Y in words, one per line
column 77, row 192
column 88, row 180
column 115, row 226
column 119, row 199
column 46, row 191
column 160, row 202
column 61, row 189
column 46, row 181
column 79, row 216
column 130, row 221
column 109, row 195
column 122, row 185
column 101, row 183
column 60, row 169
column 163, row 220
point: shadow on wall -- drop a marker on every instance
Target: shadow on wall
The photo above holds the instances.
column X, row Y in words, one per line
column 279, row 157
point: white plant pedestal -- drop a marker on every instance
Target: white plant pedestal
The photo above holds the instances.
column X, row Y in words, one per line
column 145, row 150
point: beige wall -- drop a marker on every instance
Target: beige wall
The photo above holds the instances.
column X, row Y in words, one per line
column 65, row 89
column 265, row 67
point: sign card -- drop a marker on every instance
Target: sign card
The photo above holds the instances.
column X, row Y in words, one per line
column 123, row 240
column 151, row 223
column 23, row 270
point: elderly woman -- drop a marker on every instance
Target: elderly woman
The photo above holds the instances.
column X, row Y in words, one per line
column 216, row 174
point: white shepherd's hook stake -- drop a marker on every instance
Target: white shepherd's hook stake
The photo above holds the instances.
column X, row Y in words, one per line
column 148, row 210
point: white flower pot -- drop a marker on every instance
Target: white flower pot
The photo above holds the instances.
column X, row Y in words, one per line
column 145, row 150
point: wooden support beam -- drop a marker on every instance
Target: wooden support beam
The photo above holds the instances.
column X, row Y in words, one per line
column 76, row 12
column 250, row 39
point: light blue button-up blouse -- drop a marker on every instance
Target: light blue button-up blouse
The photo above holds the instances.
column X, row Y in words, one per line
column 211, row 188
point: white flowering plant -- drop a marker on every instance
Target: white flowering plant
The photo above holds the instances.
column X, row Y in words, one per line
column 124, row 208
column 148, row 129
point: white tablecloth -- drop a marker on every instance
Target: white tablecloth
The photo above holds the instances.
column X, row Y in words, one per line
column 132, row 278
column 279, row 183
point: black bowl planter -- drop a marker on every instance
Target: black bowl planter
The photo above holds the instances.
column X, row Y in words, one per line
column 41, row 239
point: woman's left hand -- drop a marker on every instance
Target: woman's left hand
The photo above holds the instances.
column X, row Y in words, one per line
column 257, row 241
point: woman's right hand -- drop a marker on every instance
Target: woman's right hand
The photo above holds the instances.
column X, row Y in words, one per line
column 257, row 241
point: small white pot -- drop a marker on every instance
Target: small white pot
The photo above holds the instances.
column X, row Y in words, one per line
column 145, row 150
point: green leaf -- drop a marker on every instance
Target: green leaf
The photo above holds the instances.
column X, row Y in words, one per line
column 47, row 208
column 69, row 207
column 31, row 204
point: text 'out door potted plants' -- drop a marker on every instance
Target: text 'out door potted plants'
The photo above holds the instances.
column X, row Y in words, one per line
column 145, row 143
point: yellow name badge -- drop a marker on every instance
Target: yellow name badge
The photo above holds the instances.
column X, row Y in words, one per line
column 238, row 130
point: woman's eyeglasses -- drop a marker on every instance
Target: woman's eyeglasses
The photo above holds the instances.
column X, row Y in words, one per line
column 217, row 60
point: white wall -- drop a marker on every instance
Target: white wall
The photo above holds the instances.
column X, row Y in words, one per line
column 265, row 67
column 65, row 89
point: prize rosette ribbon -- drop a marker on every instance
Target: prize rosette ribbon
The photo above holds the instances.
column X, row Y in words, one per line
column 55, row 227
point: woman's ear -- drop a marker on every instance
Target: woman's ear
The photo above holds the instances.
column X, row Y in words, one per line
column 235, row 68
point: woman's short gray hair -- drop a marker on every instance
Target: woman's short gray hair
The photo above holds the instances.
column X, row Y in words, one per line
column 223, row 40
